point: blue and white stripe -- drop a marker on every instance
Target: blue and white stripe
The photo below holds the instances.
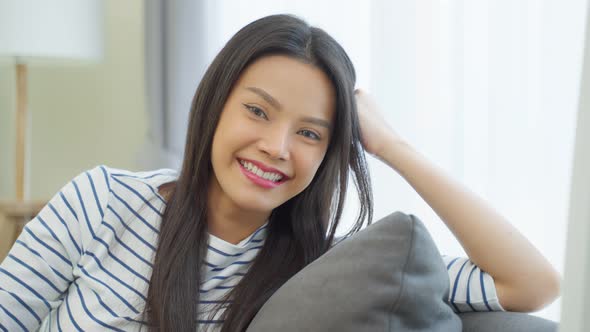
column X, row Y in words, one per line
column 84, row 263
column 471, row 289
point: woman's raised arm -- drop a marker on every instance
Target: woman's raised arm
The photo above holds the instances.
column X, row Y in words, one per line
column 524, row 279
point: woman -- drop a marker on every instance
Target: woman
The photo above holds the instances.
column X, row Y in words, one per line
column 275, row 127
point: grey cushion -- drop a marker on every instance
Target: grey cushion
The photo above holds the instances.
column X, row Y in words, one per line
column 388, row 277
column 505, row 322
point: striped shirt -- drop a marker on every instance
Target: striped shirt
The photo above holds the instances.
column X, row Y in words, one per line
column 85, row 261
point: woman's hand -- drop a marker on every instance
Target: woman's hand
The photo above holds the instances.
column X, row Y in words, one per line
column 376, row 134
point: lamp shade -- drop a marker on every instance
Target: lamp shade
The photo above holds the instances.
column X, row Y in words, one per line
column 38, row 29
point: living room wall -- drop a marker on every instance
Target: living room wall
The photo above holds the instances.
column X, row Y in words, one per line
column 81, row 115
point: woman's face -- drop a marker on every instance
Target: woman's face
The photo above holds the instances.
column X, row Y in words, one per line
column 273, row 133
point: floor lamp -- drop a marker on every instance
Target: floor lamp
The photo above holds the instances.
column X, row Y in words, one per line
column 46, row 33
column 56, row 32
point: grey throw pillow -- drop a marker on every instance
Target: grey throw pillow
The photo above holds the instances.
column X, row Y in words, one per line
column 388, row 277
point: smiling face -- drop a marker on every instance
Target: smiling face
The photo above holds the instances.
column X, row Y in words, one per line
column 272, row 134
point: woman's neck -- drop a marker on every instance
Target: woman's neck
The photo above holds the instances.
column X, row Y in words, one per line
column 228, row 221
column 225, row 219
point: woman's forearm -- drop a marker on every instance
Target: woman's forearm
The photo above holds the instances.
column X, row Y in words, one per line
column 525, row 280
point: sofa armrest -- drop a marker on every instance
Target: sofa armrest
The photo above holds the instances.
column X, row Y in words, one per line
column 499, row 321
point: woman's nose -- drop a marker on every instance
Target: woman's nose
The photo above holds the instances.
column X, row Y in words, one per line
column 275, row 144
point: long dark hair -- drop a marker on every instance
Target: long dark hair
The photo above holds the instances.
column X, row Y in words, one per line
column 301, row 229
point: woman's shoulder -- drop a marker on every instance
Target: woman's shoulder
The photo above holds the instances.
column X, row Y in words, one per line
column 125, row 182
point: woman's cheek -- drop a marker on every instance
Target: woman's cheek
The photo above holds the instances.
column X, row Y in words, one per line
column 307, row 161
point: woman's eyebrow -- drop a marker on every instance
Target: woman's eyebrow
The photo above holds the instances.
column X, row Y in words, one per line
column 275, row 103
column 317, row 121
column 266, row 96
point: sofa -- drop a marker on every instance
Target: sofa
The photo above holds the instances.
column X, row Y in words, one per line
column 388, row 277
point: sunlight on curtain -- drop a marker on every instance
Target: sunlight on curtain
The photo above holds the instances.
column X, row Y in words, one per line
column 487, row 90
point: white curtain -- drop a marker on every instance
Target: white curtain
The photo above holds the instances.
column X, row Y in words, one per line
column 487, row 90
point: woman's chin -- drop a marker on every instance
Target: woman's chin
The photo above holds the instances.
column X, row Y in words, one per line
column 255, row 205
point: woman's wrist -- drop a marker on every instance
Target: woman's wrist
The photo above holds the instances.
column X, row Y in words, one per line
column 393, row 151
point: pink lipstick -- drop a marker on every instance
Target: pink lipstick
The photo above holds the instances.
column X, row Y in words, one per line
column 265, row 183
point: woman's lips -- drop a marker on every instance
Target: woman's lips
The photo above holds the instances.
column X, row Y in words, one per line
column 258, row 180
column 263, row 167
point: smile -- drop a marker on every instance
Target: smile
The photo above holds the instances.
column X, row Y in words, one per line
column 259, row 177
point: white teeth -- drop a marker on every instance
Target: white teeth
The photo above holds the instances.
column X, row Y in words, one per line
column 265, row 175
column 271, row 177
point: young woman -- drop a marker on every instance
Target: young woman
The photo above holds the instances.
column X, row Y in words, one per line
column 275, row 128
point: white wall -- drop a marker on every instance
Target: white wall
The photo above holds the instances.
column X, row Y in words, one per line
column 81, row 116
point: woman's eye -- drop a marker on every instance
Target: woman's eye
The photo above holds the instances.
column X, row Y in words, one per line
column 310, row 134
column 260, row 113
column 256, row 111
